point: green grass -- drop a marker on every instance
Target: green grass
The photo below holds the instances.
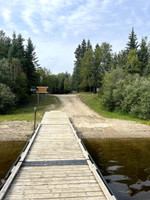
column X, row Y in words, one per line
column 26, row 112
column 94, row 102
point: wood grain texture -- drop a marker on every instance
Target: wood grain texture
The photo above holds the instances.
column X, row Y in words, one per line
column 59, row 177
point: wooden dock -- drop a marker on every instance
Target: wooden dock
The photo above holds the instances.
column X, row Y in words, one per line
column 55, row 165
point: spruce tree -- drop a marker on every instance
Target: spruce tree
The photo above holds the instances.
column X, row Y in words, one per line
column 83, row 48
column 143, row 54
column 89, row 46
column 13, row 48
column 132, row 43
column 4, row 45
column 30, row 64
column 20, row 54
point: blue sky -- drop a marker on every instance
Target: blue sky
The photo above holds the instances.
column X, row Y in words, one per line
column 56, row 27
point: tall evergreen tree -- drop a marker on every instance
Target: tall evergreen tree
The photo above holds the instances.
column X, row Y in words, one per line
column 132, row 43
column 89, row 46
column 143, row 54
column 20, row 54
column 79, row 54
column 83, row 48
column 5, row 43
column 13, row 48
column 30, row 64
column 76, row 71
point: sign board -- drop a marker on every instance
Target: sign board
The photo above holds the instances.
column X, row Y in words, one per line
column 42, row 89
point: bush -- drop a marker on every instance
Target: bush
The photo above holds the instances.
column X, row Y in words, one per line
column 7, row 99
column 129, row 94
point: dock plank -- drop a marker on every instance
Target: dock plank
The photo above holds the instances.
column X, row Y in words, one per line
column 57, row 166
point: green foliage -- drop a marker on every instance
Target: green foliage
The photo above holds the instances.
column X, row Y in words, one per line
column 133, row 65
column 26, row 111
column 21, row 88
column 132, row 43
column 143, row 55
column 4, row 45
column 5, row 76
column 126, row 93
column 94, row 102
column 79, row 54
column 87, row 71
column 7, row 99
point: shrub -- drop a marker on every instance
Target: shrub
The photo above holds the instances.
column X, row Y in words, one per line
column 130, row 94
column 7, row 99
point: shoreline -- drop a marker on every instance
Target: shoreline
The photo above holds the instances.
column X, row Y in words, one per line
column 87, row 123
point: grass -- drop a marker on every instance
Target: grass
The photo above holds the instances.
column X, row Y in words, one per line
column 26, row 112
column 93, row 102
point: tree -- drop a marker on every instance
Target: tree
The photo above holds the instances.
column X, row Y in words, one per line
column 143, row 55
column 21, row 87
column 5, row 75
column 76, row 70
column 89, row 46
column 132, row 43
column 87, row 71
column 133, row 64
column 13, row 48
column 83, row 48
column 20, row 54
column 4, row 45
column 30, row 64
column 67, row 83
column 98, row 72
column 7, row 99
column 106, row 49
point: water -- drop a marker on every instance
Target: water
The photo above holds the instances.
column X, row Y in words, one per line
column 125, row 164
column 9, row 151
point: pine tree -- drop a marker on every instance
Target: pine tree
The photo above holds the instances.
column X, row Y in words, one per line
column 83, row 48
column 4, row 45
column 20, row 54
column 13, row 48
column 30, row 64
column 89, row 46
column 143, row 54
column 132, row 43
column 76, row 71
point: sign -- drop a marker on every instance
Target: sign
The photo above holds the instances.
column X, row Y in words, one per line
column 42, row 89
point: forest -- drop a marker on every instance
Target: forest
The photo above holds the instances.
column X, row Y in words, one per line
column 121, row 79
column 20, row 71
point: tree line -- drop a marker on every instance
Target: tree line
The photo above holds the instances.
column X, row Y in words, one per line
column 122, row 78
column 20, row 71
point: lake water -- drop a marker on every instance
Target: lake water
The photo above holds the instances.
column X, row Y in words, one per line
column 125, row 164
column 9, row 151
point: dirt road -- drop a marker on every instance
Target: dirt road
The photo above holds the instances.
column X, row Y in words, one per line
column 90, row 124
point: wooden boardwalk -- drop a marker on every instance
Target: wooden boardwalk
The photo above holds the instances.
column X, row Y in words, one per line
column 55, row 167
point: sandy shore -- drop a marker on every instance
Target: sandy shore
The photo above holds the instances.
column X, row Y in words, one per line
column 88, row 123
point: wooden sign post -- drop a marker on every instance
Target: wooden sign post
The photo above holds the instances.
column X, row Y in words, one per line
column 42, row 90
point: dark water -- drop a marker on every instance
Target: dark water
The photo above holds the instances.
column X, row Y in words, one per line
column 9, row 151
column 125, row 164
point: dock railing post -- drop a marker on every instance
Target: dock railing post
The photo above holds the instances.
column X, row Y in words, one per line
column 34, row 119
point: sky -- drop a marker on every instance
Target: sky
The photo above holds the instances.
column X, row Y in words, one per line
column 56, row 27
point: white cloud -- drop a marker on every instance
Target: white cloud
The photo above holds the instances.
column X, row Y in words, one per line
column 6, row 15
column 27, row 17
